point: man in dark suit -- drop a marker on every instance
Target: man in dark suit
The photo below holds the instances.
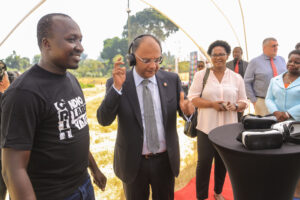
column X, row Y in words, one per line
column 237, row 64
column 146, row 153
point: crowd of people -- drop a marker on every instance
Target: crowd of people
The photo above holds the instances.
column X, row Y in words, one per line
column 45, row 133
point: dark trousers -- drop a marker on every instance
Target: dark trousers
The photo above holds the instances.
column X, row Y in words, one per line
column 155, row 172
column 206, row 153
column 2, row 185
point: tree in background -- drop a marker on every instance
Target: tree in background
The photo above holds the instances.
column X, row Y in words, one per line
column 36, row 59
column 168, row 60
column 149, row 21
column 111, row 48
column 89, row 68
column 17, row 62
column 146, row 21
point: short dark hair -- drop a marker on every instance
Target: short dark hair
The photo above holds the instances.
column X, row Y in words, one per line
column 218, row 43
column 200, row 61
column 137, row 41
column 44, row 26
column 238, row 48
column 294, row 52
column 297, row 45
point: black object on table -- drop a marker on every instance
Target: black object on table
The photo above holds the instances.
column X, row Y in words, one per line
column 270, row 174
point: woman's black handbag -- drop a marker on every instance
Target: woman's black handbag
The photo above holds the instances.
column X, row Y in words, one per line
column 190, row 124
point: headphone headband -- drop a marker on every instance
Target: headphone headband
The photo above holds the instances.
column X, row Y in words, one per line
column 130, row 55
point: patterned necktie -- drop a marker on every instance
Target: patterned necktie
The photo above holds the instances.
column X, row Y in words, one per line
column 149, row 117
column 273, row 67
column 236, row 69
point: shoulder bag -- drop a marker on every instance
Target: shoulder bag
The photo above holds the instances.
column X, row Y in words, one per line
column 190, row 124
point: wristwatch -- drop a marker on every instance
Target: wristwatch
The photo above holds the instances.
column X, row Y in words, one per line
column 236, row 106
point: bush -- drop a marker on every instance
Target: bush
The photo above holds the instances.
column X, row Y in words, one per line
column 86, row 85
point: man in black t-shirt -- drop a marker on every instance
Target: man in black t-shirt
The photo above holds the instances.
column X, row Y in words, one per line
column 44, row 129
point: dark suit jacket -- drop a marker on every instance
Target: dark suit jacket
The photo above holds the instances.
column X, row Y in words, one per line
column 231, row 66
column 129, row 142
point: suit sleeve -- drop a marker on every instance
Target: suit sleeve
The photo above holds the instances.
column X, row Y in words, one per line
column 179, row 89
column 108, row 109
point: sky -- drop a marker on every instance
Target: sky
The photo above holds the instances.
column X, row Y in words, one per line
column 102, row 19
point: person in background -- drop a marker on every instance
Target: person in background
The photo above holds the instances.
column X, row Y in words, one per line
column 259, row 73
column 237, row 65
column 4, row 79
column 283, row 96
column 297, row 47
column 44, row 129
column 223, row 96
column 200, row 65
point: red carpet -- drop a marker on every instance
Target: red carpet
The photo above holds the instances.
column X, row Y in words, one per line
column 189, row 191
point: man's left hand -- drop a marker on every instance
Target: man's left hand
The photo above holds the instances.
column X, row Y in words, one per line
column 186, row 106
column 99, row 179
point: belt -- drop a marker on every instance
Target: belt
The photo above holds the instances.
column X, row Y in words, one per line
column 260, row 97
column 151, row 155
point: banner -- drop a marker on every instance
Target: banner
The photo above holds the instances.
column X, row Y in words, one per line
column 193, row 65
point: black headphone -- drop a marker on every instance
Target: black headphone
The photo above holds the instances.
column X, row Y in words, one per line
column 1, row 62
column 130, row 56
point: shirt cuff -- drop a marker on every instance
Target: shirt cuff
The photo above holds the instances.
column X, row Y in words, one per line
column 118, row 91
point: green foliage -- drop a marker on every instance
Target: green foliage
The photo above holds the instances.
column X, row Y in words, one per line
column 89, row 68
column 183, row 66
column 111, row 48
column 86, row 85
column 36, row 59
column 168, row 60
column 149, row 21
column 17, row 62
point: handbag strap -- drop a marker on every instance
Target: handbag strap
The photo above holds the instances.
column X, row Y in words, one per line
column 205, row 80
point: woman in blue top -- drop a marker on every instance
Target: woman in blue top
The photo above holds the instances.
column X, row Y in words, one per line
column 283, row 96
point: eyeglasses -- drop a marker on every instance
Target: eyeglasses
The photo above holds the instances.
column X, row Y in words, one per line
column 218, row 55
column 149, row 60
column 274, row 45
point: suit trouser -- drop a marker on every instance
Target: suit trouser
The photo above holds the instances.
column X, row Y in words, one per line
column 154, row 171
column 2, row 186
column 260, row 107
column 206, row 153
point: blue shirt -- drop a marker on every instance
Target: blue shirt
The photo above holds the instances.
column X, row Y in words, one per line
column 259, row 73
column 284, row 99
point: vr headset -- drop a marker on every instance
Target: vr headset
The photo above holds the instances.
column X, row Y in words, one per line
column 267, row 134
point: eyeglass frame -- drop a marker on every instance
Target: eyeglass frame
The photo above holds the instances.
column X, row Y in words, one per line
column 218, row 55
column 158, row 60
